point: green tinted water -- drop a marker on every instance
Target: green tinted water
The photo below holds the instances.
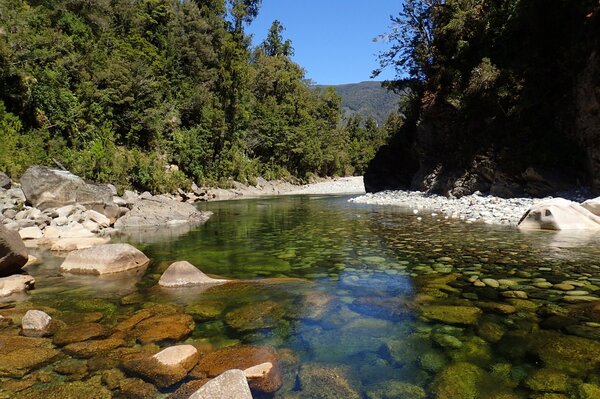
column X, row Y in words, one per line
column 365, row 301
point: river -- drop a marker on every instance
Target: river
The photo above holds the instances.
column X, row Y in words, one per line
column 371, row 302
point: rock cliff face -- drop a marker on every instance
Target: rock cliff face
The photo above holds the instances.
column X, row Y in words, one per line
column 551, row 143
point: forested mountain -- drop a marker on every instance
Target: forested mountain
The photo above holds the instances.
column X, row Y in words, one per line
column 506, row 97
column 158, row 93
column 367, row 99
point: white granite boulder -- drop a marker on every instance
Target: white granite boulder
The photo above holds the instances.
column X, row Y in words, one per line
column 559, row 214
column 104, row 259
column 36, row 323
column 231, row 384
column 184, row 274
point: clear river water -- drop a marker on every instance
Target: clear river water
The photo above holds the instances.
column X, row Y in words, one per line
column 361, row 302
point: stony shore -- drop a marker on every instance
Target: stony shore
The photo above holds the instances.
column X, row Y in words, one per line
column 471, row 208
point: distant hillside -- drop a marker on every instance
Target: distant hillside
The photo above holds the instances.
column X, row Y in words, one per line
column 367, row 99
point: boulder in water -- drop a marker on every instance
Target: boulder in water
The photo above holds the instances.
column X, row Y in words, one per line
column 104, row 259
column 184, row 274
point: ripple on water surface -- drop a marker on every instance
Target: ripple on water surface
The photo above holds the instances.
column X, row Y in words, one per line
column 359, row 301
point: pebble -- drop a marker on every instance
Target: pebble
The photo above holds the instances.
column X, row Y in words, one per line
column 515, row 294
column 563, row 287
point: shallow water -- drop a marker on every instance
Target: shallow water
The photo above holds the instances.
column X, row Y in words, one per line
column 352, row 301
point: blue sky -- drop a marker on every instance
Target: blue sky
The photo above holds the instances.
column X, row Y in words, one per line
column 332, row 39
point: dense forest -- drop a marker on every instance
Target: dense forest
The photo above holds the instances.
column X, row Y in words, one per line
column 506, row 97
column 157, row 94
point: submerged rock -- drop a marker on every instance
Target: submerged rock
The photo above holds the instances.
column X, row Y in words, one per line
column 325, row 382
column 458, row 381
column 89, row 349
column 244, row 358
column 452, row 314
column 566, row 353
column 104, row 259
column 13, row 254
column 20, row 355
column 174, row 327
column 69, row 390
column 547, row 380
column 78, row 333
column 231, row 384
column 255, row 316
column 184, row 274
column 395, row 389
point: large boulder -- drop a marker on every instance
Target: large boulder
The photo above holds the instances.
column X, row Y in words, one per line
column 13, row 254
column 160, row 211
column 15, row 284
column 559, row 214
column 53, row 188
column 229, row 385
column 104, row 259
column 184, row 274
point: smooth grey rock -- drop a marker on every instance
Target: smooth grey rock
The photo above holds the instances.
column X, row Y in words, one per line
column 184, row 274
column 231, row 384
column 104, row 259
column 52, row 188
column 13, row 254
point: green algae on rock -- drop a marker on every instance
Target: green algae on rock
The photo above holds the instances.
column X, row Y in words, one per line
column 69, row 390
column 326, row 382
column 395, row 389
column 255, row 316
column 465, row 315
column 458, row 381
column 547, row 380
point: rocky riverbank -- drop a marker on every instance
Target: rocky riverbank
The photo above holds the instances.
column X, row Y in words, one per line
column 470, row 208
column 321, row 186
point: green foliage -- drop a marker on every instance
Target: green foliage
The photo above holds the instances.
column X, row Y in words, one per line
column 155, row 94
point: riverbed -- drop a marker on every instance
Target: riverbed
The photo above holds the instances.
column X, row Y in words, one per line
column 363, row 301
